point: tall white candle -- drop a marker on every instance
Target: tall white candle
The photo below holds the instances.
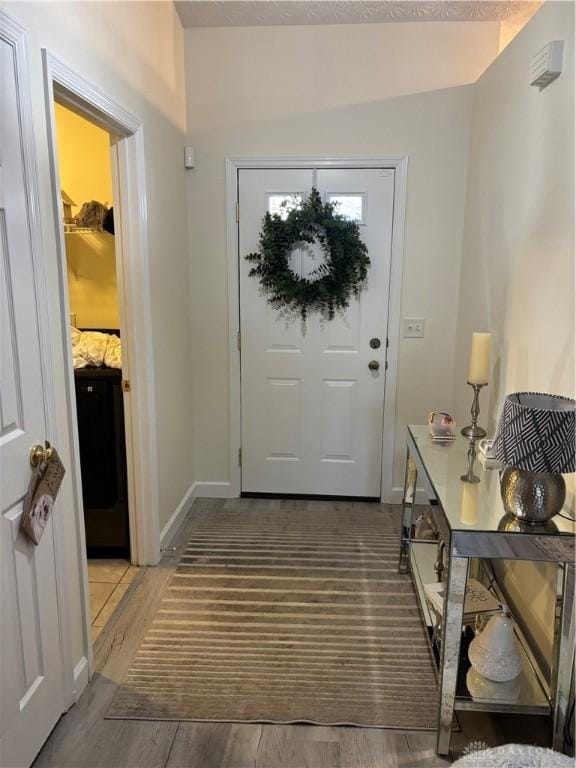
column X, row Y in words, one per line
column 479, row 358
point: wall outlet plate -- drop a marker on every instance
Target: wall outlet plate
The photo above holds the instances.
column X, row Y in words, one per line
column 413, row 327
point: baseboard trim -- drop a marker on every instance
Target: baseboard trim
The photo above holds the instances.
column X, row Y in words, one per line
column 81, row 679
column 224, row 490
column 220, row 490
column 397, row 493
column 177, row 517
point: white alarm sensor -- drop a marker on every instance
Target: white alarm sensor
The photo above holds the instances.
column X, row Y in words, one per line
column 546, row 66
column 189, row 157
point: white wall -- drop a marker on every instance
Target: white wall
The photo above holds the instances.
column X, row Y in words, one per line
column 134, row 52
column 383, row 90
column 517, row 277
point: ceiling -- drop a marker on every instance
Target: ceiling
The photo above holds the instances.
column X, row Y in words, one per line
column 250, row 13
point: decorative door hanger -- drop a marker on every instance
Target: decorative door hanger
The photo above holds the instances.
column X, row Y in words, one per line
column 45, row 483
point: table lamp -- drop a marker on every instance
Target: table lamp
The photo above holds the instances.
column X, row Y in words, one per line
column 535, row 441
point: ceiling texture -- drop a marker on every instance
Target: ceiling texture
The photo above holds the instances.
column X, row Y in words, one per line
column 250, row 13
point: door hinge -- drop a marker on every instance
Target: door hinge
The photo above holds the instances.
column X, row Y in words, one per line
column 239, row 457
column 237, row 211
column 239, row 341
column 125, row 385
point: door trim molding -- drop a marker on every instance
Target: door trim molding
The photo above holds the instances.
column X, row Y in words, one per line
column 63, row 84
column 400, row 167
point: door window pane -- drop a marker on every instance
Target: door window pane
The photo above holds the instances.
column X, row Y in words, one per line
column 281, row 204
column 351, row 206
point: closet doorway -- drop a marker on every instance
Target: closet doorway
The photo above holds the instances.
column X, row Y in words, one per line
column 97, row 331
column 65, row 87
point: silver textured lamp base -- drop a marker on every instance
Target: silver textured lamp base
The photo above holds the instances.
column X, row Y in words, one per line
column 512, row 524
column 532, row 497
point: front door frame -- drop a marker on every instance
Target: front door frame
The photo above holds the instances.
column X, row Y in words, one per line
column 400, row 167
column 65, row 85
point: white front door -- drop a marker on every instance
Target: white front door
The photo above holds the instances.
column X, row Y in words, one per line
column 312, row 409
column 31, row 699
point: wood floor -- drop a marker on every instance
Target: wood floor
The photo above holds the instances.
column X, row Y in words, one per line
column 84, row 739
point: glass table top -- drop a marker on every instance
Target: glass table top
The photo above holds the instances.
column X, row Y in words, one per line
column 473, row 506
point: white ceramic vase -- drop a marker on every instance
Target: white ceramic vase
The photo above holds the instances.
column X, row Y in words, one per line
column 482, row 689
column 494, row 653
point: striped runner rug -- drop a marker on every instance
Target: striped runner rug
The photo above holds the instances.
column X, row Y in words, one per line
column 286, row 612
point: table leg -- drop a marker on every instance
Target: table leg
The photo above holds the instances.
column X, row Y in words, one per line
column 564, row 658
column 408, row 502
column 450, row 652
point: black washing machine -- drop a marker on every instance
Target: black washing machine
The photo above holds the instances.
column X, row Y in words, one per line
column 100, row 409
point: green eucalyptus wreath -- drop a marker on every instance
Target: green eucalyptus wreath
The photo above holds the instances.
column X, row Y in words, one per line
column 330, row 286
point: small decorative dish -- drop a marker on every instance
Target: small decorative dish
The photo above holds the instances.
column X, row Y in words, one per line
column 441, row 426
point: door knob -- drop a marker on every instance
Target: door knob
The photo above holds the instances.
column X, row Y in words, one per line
column 40, row 454
column 374, row 365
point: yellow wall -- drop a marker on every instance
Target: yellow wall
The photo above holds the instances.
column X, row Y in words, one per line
column 85, row 174
column 84, row 158
column 92, row 280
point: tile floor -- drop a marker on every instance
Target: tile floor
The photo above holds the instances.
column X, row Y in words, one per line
column 108, row 581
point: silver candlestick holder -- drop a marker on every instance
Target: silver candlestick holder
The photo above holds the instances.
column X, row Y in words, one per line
column 473, row 431
column 470, row 477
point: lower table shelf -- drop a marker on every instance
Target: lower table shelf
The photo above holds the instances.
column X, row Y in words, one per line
column 474, row 692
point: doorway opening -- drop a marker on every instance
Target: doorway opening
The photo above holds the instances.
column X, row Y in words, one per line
column 126, row 159
column 320, row 452
column 327, row 388
column 96, row 336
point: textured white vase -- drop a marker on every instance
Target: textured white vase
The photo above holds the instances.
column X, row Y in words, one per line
column 494, row 652
column 482, row 689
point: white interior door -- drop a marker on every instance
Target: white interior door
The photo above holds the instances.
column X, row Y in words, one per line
column 31, row 698
column 312, row 410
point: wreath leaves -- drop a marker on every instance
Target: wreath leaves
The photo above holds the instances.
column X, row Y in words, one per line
column 334, row 282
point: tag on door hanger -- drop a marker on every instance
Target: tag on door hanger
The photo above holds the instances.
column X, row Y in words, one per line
column 42, row 491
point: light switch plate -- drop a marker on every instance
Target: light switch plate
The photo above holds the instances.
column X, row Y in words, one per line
column 413, row 327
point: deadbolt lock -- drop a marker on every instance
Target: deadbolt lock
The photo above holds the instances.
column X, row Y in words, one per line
column 375, row 343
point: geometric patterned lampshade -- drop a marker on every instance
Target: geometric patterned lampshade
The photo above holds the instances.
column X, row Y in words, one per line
column 537, row 433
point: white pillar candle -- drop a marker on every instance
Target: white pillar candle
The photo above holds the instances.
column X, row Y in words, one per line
column 479, row 358
column 469, row 504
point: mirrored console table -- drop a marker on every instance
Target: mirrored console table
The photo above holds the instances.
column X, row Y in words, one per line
column 466, row 524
